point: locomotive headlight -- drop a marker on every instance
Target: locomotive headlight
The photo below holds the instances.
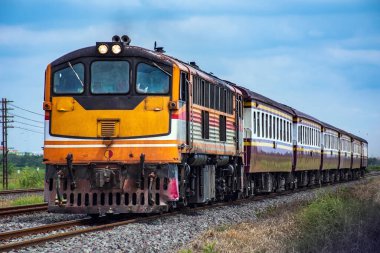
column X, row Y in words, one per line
column 116, row 49
column 102, row 49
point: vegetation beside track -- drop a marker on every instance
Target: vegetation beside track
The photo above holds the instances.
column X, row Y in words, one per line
column 24, row 171
column 27, row 200
column 374, row 168
column 345, row 220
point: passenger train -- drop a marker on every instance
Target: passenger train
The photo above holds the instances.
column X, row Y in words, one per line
column 132, row 130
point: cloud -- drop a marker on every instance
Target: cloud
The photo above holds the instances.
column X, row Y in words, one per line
column 357, row 56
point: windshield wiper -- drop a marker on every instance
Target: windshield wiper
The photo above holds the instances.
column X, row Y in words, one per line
column 155, row 64
column 76, row 74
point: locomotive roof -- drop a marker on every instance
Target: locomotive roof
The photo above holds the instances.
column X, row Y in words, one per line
column 134, row 51
column 131, row 51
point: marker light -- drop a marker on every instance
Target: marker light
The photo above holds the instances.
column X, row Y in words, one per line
column 103, row 49
column 116, row 49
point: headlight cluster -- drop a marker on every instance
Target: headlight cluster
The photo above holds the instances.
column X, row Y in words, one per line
column 103, row 49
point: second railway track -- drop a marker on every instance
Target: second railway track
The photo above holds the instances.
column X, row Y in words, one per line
column 23, row 209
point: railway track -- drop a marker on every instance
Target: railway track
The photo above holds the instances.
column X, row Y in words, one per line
column 92, row 225
column 18, row 191
column 23, row 209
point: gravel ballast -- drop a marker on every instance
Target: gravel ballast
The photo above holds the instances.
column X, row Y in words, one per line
column 165, row 234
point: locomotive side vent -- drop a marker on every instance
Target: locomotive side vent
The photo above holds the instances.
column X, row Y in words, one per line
column 108, row 128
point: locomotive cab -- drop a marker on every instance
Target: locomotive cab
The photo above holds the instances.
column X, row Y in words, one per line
column 111, row 145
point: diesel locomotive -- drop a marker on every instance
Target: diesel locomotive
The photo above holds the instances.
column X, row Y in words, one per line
column 132, row 130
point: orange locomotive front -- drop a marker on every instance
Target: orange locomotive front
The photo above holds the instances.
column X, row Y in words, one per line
column 124, row 132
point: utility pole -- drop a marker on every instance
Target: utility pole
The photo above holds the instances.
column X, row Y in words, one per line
column 4, row 143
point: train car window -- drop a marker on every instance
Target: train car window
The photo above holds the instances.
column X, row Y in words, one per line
column 258, row 124
column 183, row 94
column 280, row 137
column 263, row 124
column 266, row 125
column 299, row 134
column 205, row 125
column 254, row 122
column 270, row 126
column 287, row 131
column 309, row 136
column 112, row 77
column 328, row 141
column 69, row 80
column 290, row 131
column 304, row 135
column 318, row 138
column 222, row 128
column 276, row 127
column 151, row 80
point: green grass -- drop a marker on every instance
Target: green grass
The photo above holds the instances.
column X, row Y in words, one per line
column 209, row 248
column 25, row 178
column 339, row 222
column 374, row 168
column 27, row 200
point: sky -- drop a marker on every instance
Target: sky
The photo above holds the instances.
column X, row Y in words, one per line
column 319, row 56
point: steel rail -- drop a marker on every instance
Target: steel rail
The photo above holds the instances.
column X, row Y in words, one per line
column 23, row 209
column 17, row 191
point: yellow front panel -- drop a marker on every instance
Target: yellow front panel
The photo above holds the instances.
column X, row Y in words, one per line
column 150, row 117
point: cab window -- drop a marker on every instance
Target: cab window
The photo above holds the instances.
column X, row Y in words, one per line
column 109, row 77
column 151, row 80
column 69, row 80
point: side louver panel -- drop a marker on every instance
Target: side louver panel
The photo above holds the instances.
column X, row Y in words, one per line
column 108, row 128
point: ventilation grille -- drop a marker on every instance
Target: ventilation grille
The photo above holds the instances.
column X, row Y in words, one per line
column 108, row 128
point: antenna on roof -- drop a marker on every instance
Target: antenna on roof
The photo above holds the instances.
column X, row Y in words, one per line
column 158, row 49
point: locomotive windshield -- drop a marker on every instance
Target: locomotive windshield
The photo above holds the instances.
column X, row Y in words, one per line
column 109, row 77
column 69, row 80
column 151, row 80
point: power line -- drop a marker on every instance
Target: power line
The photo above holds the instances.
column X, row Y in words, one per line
column 28, row 130
column 26, row 110
column 27, row 124
column 26, row 118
